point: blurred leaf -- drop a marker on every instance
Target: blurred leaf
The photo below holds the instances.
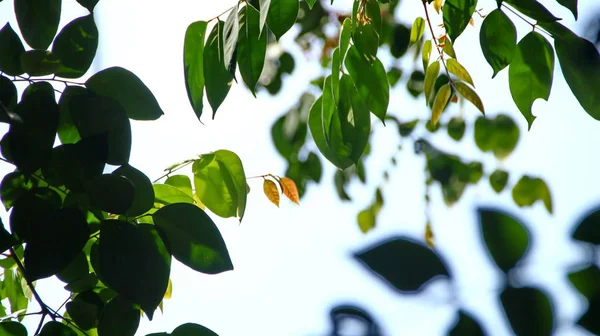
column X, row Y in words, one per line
column 252, row 45
column 458, row 70
column 193, row 238
column 417, row 30
column 405, row 265
column 457, row 14
column 119, row 318
column 218, row 78
column 506, row 239
column 415, row 83
column 128, row 90
column 470, row 95
column 588, row 228
column 586, row 281
column 589, row 319
column 498, row 40
column 135, row 262
column 499, row 135
column 529, row 311
column 192, row 329
column 38, row 21
column 429, row 237
column 456, row 128
column 111, row 193
column 466, row 325
column 193, row 64
column 289, row 189
column 498, row 180
column 76, row 46
column 529, row 190
column 10, row 54
column 530, row 73
column 143, row 193
column 439, row 104
column 85, row 309
column 394, row 76
column 430, row 76
column 282, row 16
column 271, row 191
column 11, row 328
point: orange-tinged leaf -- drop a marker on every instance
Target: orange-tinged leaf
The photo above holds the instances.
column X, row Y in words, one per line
column 271, row 191
column 472, row 22
column 455, row 68
column 454, row 99
column 429, row 239
column 441, row 99
column 437, row 5
column 470, row 95
column 288, row 187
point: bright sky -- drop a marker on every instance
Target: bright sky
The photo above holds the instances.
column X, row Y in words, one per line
column 293, row 264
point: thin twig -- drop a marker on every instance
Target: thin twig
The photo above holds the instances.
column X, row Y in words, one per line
column 170, row 171
column 424, row 2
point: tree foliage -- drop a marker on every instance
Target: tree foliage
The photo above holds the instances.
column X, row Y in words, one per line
column 111, row 234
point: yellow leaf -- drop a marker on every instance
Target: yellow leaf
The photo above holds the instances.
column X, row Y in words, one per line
column 455, row 68
column 470, row 95
column 429, row 239
column 198, row 202
column 288, row 187
column 416, row 32
column 169, row 290
column 427, row 47
column 430, row 76
column 366, row 220
column 441, row 99
column 437, row 5
column 449, row 48
column 271, row 191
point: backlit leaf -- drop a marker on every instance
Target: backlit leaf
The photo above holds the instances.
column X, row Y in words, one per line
column 429, row 238
column 76, row 46
column 13, row 185
column 426, row 54
column 217, row 77
column 282, row 16
column 12, row 49
column 530, row 73
column 39, row 62
column 345, row 34
column 193, row 64
column 457, row 14
column 252, row 47
column 470, row 95
column 231, row 31
column 437, row 5
column 529, row 190
column 498, row 40
column 67, row 131
column 31, row 210
column 143, row 194
column 430, row 76
column 498, row 180
column 441, row 99
column 459, row 71
column 534, row 9
column 417, row 30
column 288, row 188
column 367, row 28
column 466, row 325
column 589, row 320
column 271, row 191
column 38, row 21
column 88, row 4
column 166, row 194
column 586, row 280
column 449, row 48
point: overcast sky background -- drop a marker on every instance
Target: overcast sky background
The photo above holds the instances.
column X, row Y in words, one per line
column 293, row 264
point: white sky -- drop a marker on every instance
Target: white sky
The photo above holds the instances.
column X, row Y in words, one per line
column 293, row 264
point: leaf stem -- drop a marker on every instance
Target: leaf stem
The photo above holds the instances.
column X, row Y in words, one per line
column 223, row 13
column 424, row 2
column 170, row 171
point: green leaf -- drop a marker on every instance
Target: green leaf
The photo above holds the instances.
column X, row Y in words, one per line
column 11, row 328
column 13, row 185
column 252, row 46
column 166, row 194
column 85, row 309
column 400, row 39
column 193, row 238
column 282, row 16
column 529, row 311
column 119, row 318
column 310, row 3
column 231, row 30
column 580, row 64
column 498, row 40
column 83, row 284
column 76, row 46
column 192, row 329
column 366, row 29
column 135, row 262
column 440, row 102
column 431, row 75
column 530, row 73
column 588, row 229
column 589, row 320
column 533, row 9
column 570, row 5
column 128, row 90
column 426, row 54
column 55, row 328
column 506, row 239
column 31, row 210
column 457, row 14
column 404, row 264
column 499, row 135
column 529, row 190
column 77, row 269
column 458, row 70
column 498, row 180
column 67, row 132
column 38, row 21
column 394, row 76
column 143, row 195
column 55, row 242
column 13, row 289
column 193, row 64
column 181, row 182
column 466, row 325
column 88, row 4
column 345, row 35
column 39, row 62
column 218, row 78
column 456, row 128
column 8, row 99
column 448, row 48
column 220, row 183
column 371, row 82
column 586, row 281
column 470, row 95
column 417, row 30
column 111, row 193
column 10, row 54
column 101, row 116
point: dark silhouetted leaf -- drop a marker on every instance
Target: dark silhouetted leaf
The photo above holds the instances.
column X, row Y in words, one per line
column 586, row 281
column 31, row 209
column 54, row 242
column 8, row 100
column 67, row 132
column 55, row 328
column 111, row 193
column 11, row 328
column 192, row 329
column 193, row 238
column 588, row 228
column 457, row 14
column 456, row 128
column 76, row 46
column 498, row 180
column 529, row 311
column 498, row 40
column 589, row 320
column 77, row 269
column 531, row 72
column 119, row 318
column 403, row 263
column 252, row 45
column 38, row 21
column 128, row 90
column 10, row 54
column 143, row 195
column 6, row 239
column 73, row 165
column 135, row 262
column 12, row 187
column 570, row 5
column 193, row 64
column 466, row 325
column 533, row 9
column 87, row 282
column 39, row 62
column 506, row 239
column 88, row 4
column 217, row 77
column 529, row 190
column 85, row 309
